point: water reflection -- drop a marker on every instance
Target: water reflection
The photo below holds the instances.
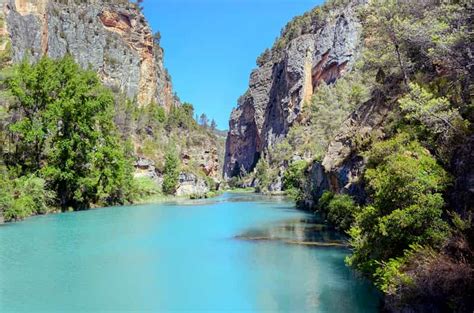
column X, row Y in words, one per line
column 309, row 231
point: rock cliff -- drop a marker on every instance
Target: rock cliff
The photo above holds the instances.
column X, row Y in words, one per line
column 286, row 79
column 111, row 37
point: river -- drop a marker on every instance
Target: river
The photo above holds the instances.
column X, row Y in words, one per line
column 236, row 252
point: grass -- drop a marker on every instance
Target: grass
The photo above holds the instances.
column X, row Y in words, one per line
column 240, row 190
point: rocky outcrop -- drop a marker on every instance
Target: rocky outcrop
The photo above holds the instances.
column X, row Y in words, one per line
column 190, row 184
column 206, row 158
column 282, row 84
column 342, row 167
column 146, row 168
column 111, row 37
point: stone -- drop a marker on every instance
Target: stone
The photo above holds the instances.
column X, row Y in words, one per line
column 282, row 84
column 113, row 39
column 190, row 184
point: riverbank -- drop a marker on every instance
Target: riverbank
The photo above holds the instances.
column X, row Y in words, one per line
column 156, row 198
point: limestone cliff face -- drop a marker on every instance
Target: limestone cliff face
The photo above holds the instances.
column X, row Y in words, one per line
column 342, row 166
column 282, row 84
column 111, row 37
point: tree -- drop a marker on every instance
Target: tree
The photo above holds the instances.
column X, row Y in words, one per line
column 139, row 4
column 383, row 20
column 293, row 179
column 405, row 183
column 157, row 38
column 262, row 176
column 24, row 196
column 170, row 173
column 213, row 125
column 438, row 118
column 64, row 131
column 181, row 117
column 203, row 120
column 341, row 210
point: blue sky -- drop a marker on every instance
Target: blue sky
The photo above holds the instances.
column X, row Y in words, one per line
column 211, row 45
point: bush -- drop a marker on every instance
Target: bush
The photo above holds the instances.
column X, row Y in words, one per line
column 23, row 197
column 294, row 179
column 341, row 211
column 143, row 187
column 262, row 175
column 170, row 173
column 405, row 184
column 324, row 201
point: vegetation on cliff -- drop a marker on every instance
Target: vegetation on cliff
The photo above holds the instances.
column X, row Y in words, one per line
column 406, row 235
column 61, row 148
column 397, row 198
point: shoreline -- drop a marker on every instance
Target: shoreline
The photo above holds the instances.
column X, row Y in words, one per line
column 147, row 200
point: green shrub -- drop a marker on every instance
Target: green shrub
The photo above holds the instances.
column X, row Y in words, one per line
column 24, row 196
column 170, row 173
column 262, row 175
column 294, row 179
column 144, row 187
column 325, row 200
column 341, row 211
column 390, row 275
column 405, row 184
column 64, row 130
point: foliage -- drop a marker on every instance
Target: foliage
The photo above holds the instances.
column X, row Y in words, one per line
column 203, row 120
column 427, row 278
column 405, row 183
column 294, row 178
column 340, row 209
column 23, row 196
column 170, row 173
column 143, row 187
column 437, row 117
column 332, row 104
column 404, row 36
column 181, row 117
column 390, row 274
column 63, row 131
column 157, row 38
column 262, row 175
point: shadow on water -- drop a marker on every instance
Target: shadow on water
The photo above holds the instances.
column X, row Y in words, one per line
column 308, row 231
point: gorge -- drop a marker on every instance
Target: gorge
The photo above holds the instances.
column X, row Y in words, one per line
column 360, row 114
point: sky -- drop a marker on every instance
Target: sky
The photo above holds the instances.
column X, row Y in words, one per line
column 211, row 45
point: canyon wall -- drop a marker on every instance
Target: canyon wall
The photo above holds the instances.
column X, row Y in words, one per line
column 285, row 81
column 110, row 37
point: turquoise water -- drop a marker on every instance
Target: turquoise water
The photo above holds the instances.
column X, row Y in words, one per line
column 185, row 256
